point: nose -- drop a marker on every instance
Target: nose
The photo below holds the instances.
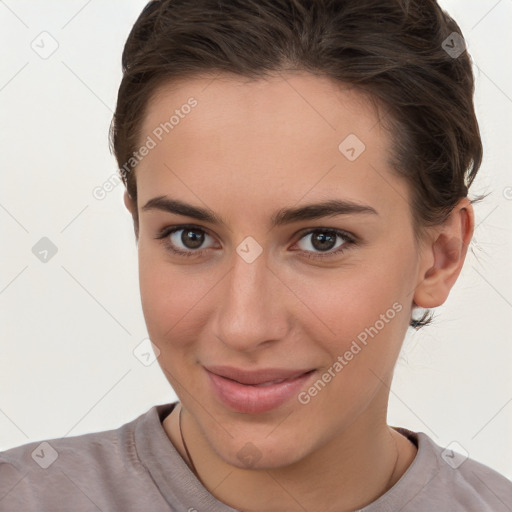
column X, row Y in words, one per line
column 253, row 306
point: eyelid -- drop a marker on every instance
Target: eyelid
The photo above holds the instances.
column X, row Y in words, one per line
column 164, row 233
column 349, row 240
column 301, row 233
column 341, row 232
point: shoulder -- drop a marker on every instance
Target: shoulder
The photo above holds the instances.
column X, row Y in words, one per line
column 91, row 448
column 44, row 475
column 442, row 479
column 473, row 485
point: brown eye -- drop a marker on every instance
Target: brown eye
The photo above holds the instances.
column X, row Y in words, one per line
column 322, row 243
column 191, row 239
column 184, row 240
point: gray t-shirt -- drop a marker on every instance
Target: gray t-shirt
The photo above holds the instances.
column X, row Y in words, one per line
column 137, row 468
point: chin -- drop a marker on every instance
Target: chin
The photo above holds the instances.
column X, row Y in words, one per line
column 264, row 455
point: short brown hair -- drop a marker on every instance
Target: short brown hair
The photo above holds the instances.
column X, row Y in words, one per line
column 393, row 50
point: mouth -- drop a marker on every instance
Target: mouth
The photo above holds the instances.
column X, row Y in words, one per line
column 256, row 391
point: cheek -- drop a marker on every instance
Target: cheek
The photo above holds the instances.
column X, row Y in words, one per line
column 367, row 322
column 361, row 314
column 162, row 293
column 335, row 305
column 343, row 305
column 171, row 298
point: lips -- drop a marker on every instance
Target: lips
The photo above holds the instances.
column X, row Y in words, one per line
column 256, row 391
column 256, row 377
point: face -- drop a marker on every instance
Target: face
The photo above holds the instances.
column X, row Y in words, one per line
column 266, row 286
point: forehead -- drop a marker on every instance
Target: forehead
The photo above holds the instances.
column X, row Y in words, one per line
column 293, row 104
column 282, row 137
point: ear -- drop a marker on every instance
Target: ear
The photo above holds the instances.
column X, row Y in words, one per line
column 128, row 202
column 444, row 256
column 132, row 208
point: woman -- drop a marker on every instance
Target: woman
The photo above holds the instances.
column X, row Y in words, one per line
column 297, row 172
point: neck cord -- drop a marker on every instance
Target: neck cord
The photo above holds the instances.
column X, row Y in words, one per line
column 394, row 468
column 185, row 446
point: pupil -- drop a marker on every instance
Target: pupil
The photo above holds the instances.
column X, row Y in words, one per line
column 191, row 239
column 321, row 242
column 320, row 239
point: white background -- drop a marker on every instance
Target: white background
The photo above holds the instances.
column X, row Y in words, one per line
column 69, row 326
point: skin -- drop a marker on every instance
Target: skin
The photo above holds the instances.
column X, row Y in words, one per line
column 248, row 149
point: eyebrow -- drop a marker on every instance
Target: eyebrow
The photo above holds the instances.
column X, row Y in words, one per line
column 329, row 208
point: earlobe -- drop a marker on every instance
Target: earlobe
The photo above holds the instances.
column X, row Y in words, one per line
column 448, row 252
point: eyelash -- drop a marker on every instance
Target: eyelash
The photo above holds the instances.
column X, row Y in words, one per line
column 347, row 237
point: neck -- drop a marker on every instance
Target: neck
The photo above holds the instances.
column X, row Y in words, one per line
column 351, row 471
